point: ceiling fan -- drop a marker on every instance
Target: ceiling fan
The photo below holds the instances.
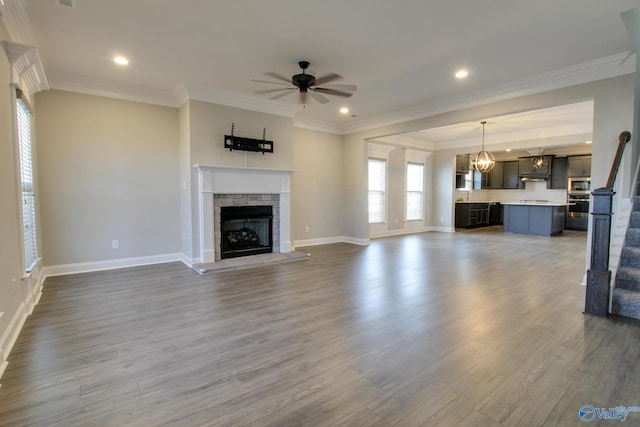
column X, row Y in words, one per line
column 305, row 84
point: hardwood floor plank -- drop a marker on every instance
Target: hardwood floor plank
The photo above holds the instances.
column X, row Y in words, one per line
column 428, row 329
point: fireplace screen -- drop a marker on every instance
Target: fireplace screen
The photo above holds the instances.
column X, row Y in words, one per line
column 245, row 230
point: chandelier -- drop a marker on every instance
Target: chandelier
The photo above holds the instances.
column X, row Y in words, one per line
column 484, row 160
column 539, row 161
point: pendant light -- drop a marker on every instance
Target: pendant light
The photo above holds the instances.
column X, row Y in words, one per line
column 539, row 161
column 484, row 160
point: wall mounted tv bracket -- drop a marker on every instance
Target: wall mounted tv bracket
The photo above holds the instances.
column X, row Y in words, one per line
column 233, row 142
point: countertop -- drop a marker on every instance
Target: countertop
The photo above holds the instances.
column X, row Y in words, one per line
column 523, row 203
column 477, row 201
column 537, row 203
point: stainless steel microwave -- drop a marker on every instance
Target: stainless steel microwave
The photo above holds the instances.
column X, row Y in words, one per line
column 580, row 185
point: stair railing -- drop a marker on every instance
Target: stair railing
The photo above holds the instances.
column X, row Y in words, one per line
column 599, row 275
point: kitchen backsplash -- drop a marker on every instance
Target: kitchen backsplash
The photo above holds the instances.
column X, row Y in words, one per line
column 536, row 190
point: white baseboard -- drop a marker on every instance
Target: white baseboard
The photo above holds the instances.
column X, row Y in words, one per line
column 330, row 240
column 365, row 242
column 406, row 231
column 321, row 241
column 400, row 232
column 10, row 335
column 84, row 267
column 188, row 261
column 444, row 229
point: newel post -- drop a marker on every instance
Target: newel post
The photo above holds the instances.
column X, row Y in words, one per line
column 599, row 275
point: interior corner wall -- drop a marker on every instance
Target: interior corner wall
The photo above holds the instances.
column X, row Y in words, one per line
column 186, row 226
column 108, row 170
column 355, row 222
column 317, row 187
column 209, row 123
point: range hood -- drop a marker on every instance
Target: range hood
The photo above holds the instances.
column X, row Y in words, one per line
column 534, row 178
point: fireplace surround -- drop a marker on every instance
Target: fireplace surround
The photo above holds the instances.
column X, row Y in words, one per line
column 238, row 185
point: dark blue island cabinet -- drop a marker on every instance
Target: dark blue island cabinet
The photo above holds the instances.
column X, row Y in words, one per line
column 537, row 219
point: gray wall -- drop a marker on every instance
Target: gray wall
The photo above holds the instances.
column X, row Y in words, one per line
column 108, row 170
column 317, row 186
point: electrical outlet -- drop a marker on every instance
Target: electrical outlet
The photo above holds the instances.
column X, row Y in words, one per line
column 306, row 229
column 115, row 244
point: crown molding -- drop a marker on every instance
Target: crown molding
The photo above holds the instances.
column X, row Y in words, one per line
column 16, row 20
column 21, row 52
column 26, row 67
column 604, row 68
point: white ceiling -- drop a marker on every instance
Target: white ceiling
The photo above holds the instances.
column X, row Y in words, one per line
column 402, row 54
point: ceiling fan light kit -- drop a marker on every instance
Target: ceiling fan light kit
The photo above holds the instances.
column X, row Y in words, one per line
column 233, row 142
column 307, row 85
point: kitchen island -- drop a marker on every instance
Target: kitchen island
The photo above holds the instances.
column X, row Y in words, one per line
column 534, row 217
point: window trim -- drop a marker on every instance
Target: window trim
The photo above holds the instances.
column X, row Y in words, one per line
column 383, row 192
column 407, row 191
column 29, row 260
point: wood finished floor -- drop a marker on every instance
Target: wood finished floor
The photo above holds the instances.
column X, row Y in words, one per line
column 436, row 329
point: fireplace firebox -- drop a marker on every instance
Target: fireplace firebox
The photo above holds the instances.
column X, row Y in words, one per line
column 245, row 230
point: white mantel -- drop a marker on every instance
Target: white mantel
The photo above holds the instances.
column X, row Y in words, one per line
column 218, row 179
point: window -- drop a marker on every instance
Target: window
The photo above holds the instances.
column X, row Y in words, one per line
column 377, row 186
column 415, row 186
column 26, row 183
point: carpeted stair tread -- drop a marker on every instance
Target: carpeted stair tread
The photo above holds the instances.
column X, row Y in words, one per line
column 630, row 257
column 634, row 220
column 632, row 237
column 628, row 278
column 626, row 303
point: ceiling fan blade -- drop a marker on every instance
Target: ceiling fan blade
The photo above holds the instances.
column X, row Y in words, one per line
column 303, row 97
column 265, row 91
column 326, row 79
column 272, row 83
column 286, row 92
column 332, row 92
column 278, row 77
column 320, row 98
column 341, row 87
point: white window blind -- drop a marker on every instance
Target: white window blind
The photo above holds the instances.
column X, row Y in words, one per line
column 26, row 180
column 377, row 187
column 415, row 190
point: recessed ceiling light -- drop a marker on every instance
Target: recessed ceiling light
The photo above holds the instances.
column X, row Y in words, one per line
column 588, row 142
column 507, row 150
column 461, row 74
column 121, row 60
column 344, row 110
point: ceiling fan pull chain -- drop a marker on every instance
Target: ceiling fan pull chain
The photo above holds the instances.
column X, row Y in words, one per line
column 233, row 125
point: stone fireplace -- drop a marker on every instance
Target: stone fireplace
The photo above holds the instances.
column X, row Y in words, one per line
column 227, row 186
